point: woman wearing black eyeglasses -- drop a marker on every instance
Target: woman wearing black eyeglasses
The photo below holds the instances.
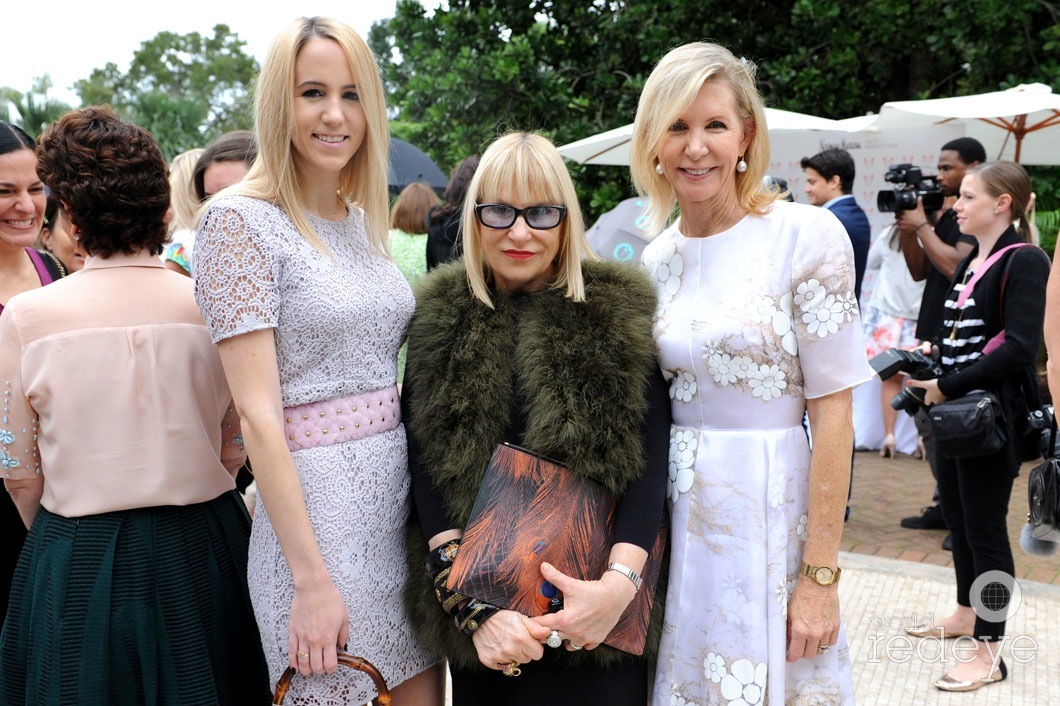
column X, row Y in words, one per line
column 531, row 340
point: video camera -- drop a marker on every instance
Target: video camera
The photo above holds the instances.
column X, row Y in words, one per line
column 914, row 185
column 917, row 365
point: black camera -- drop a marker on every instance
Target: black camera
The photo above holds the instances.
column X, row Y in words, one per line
column 914, row 363
column 914, row 185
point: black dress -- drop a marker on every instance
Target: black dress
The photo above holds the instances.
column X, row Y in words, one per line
column 443, row 237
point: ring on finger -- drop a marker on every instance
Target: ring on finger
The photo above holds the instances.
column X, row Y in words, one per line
column 554, row 640
column 512, row 669
column 573, row 647
column 302, row 655
column 823, row 649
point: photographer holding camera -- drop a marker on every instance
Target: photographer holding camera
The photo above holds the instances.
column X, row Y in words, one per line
column 932, row 252
column 989, row 341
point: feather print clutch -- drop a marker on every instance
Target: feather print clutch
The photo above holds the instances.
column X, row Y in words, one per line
column 531, row 509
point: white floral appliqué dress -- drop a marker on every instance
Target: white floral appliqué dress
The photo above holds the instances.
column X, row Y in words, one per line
column 751, row 322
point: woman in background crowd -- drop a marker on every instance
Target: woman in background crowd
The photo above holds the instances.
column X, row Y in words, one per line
column 22, row 205
column 889, row 319
column 55, row 237
column 308, row 311
column 183, row 211
column 408, row 229
column 757, row 323
column 224, row 162
column 408, row 238
column 989, row 341
column 443, row 223
column 131, row 587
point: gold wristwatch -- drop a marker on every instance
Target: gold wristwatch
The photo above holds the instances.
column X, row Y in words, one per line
column 821, row 575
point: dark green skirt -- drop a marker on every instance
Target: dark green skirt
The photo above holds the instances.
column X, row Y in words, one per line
column 139, row 607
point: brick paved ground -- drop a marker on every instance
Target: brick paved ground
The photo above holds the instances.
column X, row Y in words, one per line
column 886, row 490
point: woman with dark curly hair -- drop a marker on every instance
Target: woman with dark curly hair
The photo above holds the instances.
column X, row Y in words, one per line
column 132, row 586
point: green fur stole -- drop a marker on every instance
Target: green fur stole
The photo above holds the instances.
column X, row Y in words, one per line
column 582, row 368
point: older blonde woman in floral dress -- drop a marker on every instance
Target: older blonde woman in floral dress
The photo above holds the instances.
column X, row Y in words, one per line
column 757, row 322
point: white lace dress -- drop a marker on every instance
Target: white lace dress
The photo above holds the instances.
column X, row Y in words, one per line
column 751, row 322
column 338, row 321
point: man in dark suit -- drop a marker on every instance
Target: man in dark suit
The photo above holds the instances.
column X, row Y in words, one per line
column 830, row 183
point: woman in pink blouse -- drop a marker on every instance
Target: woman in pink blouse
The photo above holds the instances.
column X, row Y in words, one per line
column 118, row 444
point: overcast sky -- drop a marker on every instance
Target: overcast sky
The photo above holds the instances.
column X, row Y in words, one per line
column 67, row 39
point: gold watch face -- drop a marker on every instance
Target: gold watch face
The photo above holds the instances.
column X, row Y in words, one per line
column 823, row 575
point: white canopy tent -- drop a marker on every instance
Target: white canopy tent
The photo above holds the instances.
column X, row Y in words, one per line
column 612, row 147
column 1020, row 124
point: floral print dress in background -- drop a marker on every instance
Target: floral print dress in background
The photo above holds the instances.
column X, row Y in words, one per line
column 751, row 322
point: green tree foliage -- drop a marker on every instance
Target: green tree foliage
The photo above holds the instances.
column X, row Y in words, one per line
column 35, row 109
column 459, row 75
column 186, row 88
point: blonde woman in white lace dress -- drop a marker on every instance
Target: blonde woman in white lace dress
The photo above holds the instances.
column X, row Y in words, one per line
column 757, row 322
column 308, row 311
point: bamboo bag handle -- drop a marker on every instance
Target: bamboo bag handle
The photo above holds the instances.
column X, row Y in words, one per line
column 358, row 663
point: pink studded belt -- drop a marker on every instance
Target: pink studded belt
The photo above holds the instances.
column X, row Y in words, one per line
column 341, row 419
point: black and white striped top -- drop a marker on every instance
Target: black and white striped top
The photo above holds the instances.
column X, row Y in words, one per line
column 965, row 329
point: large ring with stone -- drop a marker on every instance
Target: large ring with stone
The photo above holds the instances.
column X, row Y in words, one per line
column 554, row 640
column 823, row 649
column 512, row 669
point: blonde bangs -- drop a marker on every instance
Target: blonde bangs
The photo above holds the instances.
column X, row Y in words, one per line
column 527, row 167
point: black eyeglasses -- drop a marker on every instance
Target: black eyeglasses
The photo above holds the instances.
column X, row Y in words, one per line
column 501, row 215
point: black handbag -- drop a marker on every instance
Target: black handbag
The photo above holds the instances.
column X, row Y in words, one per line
column 969, row 426
column 1043, row 494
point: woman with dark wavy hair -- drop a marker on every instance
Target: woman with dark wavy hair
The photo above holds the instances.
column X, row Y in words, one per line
column 131, row 587
column 22, row 206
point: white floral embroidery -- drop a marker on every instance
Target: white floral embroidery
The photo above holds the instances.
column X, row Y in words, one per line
column 764, row 308
column 745, row 684
column 669, row 272
column 809, row 295
column 710, row 348
column 721, row 367
column 683, row 386
column 683, row 445
column 825, row 319
column 743, row 366
column 804, row 523
column 714, row 667
column 767, row 382
column 848, row 305
column 784, row 325
column 733, row 600
column 783, row 593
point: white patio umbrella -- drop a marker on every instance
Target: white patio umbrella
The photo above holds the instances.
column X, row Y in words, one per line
column 612, row 147
column 1021, row 123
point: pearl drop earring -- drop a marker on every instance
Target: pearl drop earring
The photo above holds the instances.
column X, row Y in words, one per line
column 658, row 168
column 741, row 166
